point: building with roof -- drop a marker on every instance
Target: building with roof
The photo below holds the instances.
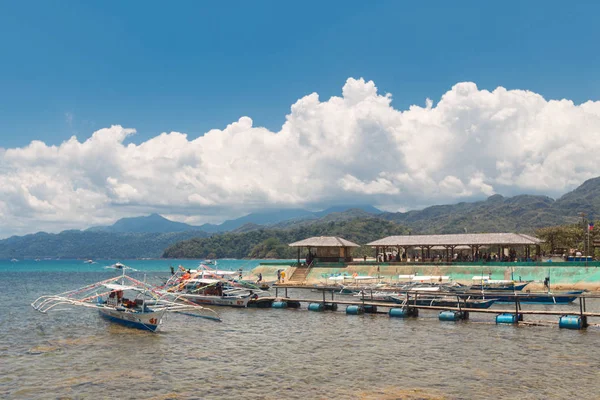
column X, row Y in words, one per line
column 447, row 244
column 325, row 249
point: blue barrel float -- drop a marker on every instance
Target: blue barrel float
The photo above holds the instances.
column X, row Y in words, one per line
column 570, row 322
column 506, row 319
column 354, row 310
column 452, row 315
column 398, row 312
column 316, row 307
column 279, row 304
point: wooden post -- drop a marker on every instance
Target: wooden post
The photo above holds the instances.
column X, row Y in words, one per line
column 516, row 309
column 323, row 297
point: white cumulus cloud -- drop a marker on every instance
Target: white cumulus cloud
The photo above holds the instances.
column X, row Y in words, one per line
column 356, row 148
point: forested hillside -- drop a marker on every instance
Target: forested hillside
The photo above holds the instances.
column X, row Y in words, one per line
column 273, row 243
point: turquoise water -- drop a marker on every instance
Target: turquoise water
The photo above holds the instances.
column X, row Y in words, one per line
column 154, row 265
column 275, row 353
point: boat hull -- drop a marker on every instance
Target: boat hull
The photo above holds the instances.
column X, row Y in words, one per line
column 527, row 298
column 444, row 302
column 141, row 320
column 227, row 301
column 512, row 287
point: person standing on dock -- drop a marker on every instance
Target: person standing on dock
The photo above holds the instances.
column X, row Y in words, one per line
column 278, row 276
column 547, row 283
column 259, row 278
column 282, row 276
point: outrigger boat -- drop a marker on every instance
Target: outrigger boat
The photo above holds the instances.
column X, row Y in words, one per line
column 530, row 298
column 218, row 290
column 212, row 292
column 443, row 301
column 486, row 283
column 144, row 309
column 426, row 297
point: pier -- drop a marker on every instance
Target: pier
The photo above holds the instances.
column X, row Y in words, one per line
column 576, row 318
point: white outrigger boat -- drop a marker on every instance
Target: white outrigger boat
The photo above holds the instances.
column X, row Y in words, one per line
column 210, row 287
column 213, row 292
column 145, row 308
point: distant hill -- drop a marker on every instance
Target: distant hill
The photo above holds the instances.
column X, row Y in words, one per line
column 367, row 209
column 152, row 223
column 523, row 213
column 156, row 223
column 273, row 217
column 136, row 237
column 346, row 215
column 496, row 214
column 262, row 218
column 586, row 199
column 90, row 244
column 273, row 243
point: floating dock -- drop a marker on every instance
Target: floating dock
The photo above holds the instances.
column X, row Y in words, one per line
column 569, row 319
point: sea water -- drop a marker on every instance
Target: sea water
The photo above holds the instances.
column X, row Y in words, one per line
column 274, row 353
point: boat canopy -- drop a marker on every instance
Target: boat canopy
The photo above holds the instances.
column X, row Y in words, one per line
column 203, row 280
column 116, row 286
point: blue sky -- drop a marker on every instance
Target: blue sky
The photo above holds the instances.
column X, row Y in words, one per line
column 72, row 67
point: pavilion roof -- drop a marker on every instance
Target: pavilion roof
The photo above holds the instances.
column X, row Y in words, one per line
column 324, row 241
column 466, row 239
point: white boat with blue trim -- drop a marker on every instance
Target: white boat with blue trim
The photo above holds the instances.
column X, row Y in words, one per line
column 126, row 301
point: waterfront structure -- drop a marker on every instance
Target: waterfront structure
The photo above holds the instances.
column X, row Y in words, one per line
column 326, row 249
column 499, row 242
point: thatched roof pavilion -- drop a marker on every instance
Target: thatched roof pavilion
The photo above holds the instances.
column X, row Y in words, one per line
column 327, row 249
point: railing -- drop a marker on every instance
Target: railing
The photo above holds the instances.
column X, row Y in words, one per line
column 483, row 263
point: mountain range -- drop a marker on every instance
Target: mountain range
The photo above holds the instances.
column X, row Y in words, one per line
column 155, row 223
column 148, row 236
